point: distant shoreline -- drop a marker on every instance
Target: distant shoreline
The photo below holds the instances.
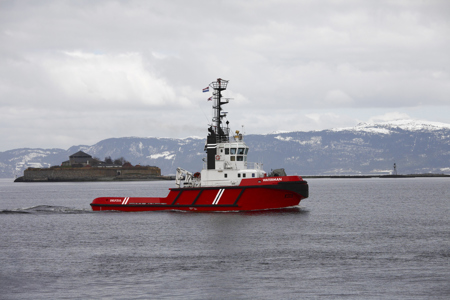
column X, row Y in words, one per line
column 171, row 177
column 379, row 176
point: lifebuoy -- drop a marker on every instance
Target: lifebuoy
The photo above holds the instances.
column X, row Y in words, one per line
column 217, row 157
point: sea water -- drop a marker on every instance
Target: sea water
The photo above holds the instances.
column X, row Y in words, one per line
column 352, row 239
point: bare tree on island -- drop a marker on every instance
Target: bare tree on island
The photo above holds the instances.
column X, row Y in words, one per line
column 120, row 161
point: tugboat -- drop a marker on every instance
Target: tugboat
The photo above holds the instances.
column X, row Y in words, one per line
column 227, row 182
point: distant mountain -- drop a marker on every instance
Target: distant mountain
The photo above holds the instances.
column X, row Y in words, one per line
column 415, row 146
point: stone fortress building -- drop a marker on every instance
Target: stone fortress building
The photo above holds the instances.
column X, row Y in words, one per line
column 78, row 158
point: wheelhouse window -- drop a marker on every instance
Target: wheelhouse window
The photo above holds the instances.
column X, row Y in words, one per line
column 240, row 158
column 227, row 151
column 246, row 151
column 241, row 151
column 232, row 158
column 232, row 151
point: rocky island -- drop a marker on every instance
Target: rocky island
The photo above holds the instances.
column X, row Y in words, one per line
column 83, row 167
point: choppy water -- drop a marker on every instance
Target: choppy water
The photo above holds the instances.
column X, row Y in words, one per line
column 353, row 238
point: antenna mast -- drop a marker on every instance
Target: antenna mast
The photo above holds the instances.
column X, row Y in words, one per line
column 222, row 133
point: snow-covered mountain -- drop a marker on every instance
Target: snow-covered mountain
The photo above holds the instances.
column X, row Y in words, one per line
column 415, row 146
column 387, row 127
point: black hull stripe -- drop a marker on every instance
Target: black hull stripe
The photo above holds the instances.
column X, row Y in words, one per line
column 274, row 186
column 196, row 198
column 166, row 205
column 176, row 198
column 240, row 194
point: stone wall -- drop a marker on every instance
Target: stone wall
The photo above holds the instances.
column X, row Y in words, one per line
column 92, row 174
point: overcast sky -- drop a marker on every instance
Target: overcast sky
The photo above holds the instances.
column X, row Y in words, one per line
column 77, row 72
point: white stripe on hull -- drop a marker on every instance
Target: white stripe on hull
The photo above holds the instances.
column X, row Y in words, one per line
column 218, row 196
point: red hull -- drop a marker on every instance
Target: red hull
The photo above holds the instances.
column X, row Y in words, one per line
column 251, row 194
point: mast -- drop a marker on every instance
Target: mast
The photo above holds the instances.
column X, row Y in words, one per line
column 222, row 133
column 217, row 132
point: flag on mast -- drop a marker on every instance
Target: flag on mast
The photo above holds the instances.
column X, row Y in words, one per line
column 210, row 98
column 206, row 89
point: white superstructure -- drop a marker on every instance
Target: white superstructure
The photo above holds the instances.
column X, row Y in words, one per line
column 231, row 165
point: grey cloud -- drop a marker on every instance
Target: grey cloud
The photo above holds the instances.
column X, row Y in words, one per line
column 286, row 60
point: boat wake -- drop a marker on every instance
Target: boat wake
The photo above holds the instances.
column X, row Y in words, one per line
column 49, row 209
column 284, row 210
column 46, row 209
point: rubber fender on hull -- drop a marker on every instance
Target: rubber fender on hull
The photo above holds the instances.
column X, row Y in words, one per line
column 300, row 188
